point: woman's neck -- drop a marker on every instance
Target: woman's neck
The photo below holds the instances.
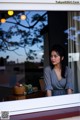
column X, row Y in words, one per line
column 57, row 66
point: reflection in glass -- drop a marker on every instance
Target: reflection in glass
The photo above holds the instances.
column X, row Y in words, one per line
column 21, row 51
column 73, row 33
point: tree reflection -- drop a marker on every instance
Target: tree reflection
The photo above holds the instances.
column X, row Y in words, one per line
column 23, row 33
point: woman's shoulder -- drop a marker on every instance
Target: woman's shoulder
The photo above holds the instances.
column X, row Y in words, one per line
column 68, row 69
column 47, row 68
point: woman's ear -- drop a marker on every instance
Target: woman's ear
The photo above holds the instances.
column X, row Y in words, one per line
column 62, row 58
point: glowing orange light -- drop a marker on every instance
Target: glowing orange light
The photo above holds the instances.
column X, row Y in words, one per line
column 3, row 20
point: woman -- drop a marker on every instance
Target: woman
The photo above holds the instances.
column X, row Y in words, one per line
column 57, row 76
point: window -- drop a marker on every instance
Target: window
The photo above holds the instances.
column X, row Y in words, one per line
column 32, row 56
column 50, row 104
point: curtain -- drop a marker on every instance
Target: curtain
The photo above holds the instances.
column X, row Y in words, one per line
column 73, row 32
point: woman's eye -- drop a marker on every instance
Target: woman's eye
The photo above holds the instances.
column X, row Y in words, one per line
column 55, row 56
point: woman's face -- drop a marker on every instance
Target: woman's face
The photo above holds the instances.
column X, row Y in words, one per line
column 55, row 58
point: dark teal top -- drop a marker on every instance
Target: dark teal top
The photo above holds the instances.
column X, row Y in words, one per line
column 58, row 87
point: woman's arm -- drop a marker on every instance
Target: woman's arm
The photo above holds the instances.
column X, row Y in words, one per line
column 47, row 81
column 49, row 93
column 69, row 78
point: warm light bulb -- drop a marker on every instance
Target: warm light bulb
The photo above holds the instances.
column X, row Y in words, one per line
column 23, row 17
column 3, row 20
column 10, row 12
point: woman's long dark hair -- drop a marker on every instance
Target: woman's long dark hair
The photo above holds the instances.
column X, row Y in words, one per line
column 61, row 52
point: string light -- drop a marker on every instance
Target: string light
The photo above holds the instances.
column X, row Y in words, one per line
column 23, row 17
column 3, row 20
column 10, row 12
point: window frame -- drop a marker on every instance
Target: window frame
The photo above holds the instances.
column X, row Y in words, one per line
column 39, row 104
